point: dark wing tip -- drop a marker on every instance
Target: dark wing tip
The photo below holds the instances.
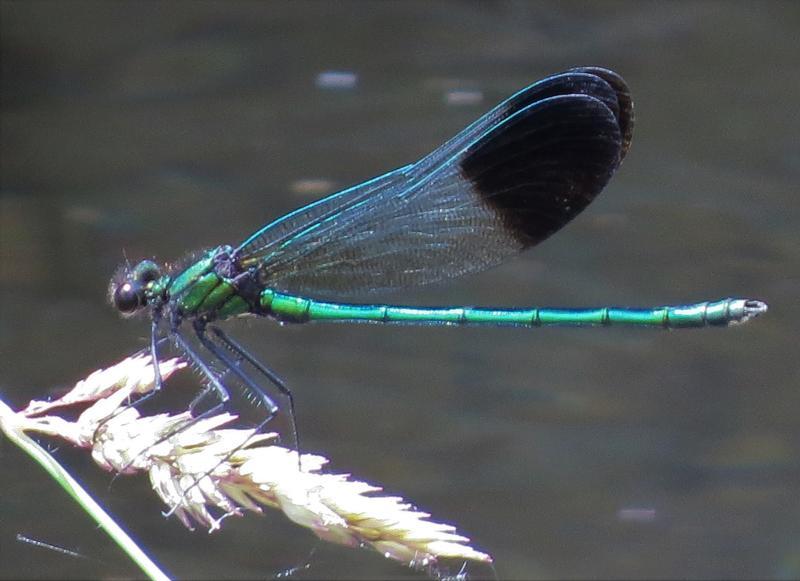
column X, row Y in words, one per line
column 544, row 164
column 603, row 84
column 624, row 115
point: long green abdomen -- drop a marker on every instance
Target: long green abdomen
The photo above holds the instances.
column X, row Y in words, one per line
column 296, row 309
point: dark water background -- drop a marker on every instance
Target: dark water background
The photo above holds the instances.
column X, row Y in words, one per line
column 158, row 129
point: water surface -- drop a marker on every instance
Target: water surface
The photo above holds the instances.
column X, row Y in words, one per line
column 158, row 129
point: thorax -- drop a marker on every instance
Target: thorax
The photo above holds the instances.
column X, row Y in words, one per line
column 213, row 287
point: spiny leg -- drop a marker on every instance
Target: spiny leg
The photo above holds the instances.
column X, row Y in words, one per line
column 213, row 385
column 154, row 351
column 214, row 382
column 273, row 377
column 155, row 341
column 233, row 367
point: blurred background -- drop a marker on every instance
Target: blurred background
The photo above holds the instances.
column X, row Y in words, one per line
column 157, row 129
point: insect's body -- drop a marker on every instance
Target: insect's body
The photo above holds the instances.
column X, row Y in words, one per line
column 215, row 287
column 502, row 185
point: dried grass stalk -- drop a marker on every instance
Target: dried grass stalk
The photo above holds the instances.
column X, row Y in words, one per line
column 205, row 471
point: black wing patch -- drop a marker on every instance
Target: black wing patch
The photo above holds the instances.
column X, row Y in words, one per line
column 544, row 164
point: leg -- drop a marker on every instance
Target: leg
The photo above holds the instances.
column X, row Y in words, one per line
column 233, row 367
column 214, row 385
column 273, row 377
column 214, row 382
column 155, row 341
column 154, row 350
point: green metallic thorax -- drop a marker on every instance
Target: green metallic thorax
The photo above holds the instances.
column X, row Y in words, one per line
column 199, row 291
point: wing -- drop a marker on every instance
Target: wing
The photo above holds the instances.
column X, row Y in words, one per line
column 505, row 183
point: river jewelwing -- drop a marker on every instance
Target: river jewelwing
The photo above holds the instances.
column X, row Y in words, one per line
column 505, row 183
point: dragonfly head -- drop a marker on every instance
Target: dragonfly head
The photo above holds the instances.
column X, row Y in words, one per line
column 131, row 289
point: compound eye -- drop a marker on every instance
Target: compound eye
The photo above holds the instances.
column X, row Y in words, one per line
column 126, row 299
column 146, row 271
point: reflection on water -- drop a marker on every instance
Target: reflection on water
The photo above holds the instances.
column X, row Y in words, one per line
column 336, row 80
column 159, row 129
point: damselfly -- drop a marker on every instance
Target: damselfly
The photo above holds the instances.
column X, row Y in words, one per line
column 505, row 183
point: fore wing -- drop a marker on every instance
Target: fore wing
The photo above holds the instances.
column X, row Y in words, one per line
column 506, row 182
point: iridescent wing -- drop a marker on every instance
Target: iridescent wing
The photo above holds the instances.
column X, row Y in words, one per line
column 504, row 184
